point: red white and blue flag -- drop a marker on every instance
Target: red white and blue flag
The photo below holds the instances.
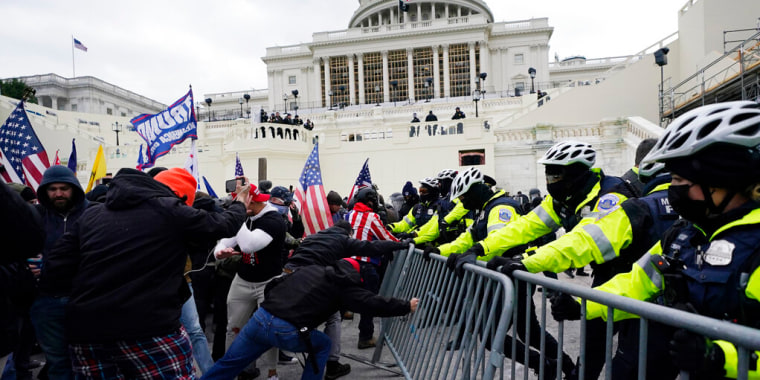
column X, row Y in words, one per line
column 315, row 212
column 168, row 128
column 21, row 152
column 79, row 45
column 238, row 167
column 363, row 180
column 191, row 165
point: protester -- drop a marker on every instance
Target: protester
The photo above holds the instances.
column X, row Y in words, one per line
column 632, row 175
column 296, row 304
column 431, row 116
column 337, row 206
column 22, row 235
column 62, row 203
column 324, row 248
column 410, row 198
column 367, row 225
column 415, row 119
column 126, row 278
column 259, row 241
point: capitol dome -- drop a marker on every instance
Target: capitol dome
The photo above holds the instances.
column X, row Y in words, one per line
column 382, row 12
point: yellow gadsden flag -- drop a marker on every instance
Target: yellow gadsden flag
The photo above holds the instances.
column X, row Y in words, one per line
column 98, row 169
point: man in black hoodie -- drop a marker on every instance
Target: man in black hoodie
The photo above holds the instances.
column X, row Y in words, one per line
column 324, row 248
column 295, row 305
column 123, row 262
column 62, row 202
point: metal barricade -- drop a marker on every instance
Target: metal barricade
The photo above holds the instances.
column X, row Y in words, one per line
column 459, row 327
column 746, row 339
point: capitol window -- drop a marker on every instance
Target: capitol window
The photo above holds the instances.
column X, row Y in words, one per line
column 519, row 59
column 292, row 79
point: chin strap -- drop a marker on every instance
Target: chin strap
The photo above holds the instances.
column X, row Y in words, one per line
column 717, row 210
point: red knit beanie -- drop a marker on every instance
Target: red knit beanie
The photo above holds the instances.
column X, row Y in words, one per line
column 180, row 181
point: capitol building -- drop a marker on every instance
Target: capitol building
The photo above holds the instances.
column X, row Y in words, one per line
column 362, row 85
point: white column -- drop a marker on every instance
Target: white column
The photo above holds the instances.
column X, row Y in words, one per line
column 379, row 19
column 419, row 11
column 351, row 82
column 328, row 87
column 485, row 58
column 432, row 11
column 410, row 72
column 446, row 76
column 54, row 102
column 436, row 77
column 386, row 78
column 446, row 11
column 317, row 92
column 473, row 74
column 360, row 57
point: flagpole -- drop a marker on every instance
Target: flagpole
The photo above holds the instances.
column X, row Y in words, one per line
column 73, row 65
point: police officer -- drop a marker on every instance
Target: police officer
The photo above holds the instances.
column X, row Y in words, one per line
column 613, row 242
column 494, row 211
column 440, row 230
column 421, row 212
column 573, row 186
column 710, row 259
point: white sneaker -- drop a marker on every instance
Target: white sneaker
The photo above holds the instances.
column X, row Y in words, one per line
column 273, row 377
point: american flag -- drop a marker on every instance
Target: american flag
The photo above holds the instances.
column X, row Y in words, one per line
column 79, row 45
column 363, row 180
column 21, row 152
column 238, row 167
column 315, row 212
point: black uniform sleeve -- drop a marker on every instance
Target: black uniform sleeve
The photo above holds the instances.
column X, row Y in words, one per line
column 20, row 227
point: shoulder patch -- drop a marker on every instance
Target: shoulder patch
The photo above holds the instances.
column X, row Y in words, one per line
column 505, row 215
column 607, row 202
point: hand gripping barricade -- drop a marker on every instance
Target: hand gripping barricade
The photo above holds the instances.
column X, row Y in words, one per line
column 459, row 327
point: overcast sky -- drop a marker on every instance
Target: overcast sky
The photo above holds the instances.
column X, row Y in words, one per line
column 157, row 48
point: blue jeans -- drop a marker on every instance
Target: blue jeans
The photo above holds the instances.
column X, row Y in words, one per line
column 189, row 319
column 262, row 332
column 48, row 315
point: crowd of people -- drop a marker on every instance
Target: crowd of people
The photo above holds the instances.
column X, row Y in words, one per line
column 276, row 118
column 119, row 283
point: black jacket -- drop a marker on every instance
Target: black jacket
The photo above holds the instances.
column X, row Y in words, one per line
column 331, row 244
column 22, row 236
column 309, row 295
column 124, row 260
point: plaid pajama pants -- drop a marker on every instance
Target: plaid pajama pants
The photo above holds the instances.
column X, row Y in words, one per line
column 162, row 357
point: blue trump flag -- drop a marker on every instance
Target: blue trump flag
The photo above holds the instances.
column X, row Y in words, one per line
column 168, row 128
column 140, row 160
column 72, row 164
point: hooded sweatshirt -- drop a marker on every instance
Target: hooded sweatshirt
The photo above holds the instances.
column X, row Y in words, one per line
column 54, row 222
column 309, row 295
column 124, row 259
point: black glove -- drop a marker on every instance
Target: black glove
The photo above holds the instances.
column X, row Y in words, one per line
column 462, row 259
column 388, row 256
column 451, row 262
column 565, row 308
column 404, row 235
column 513, row 263
column 426, row 253
column 496, row 262
column 476, row 250
column 406, row 243
column 694, row 353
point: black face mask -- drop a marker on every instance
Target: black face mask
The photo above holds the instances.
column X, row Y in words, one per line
column 691, row 210
column 559, row 190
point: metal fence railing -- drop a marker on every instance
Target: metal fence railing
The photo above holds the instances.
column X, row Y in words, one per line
column 463, row 324
column 746, row 339
column 459, row 328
